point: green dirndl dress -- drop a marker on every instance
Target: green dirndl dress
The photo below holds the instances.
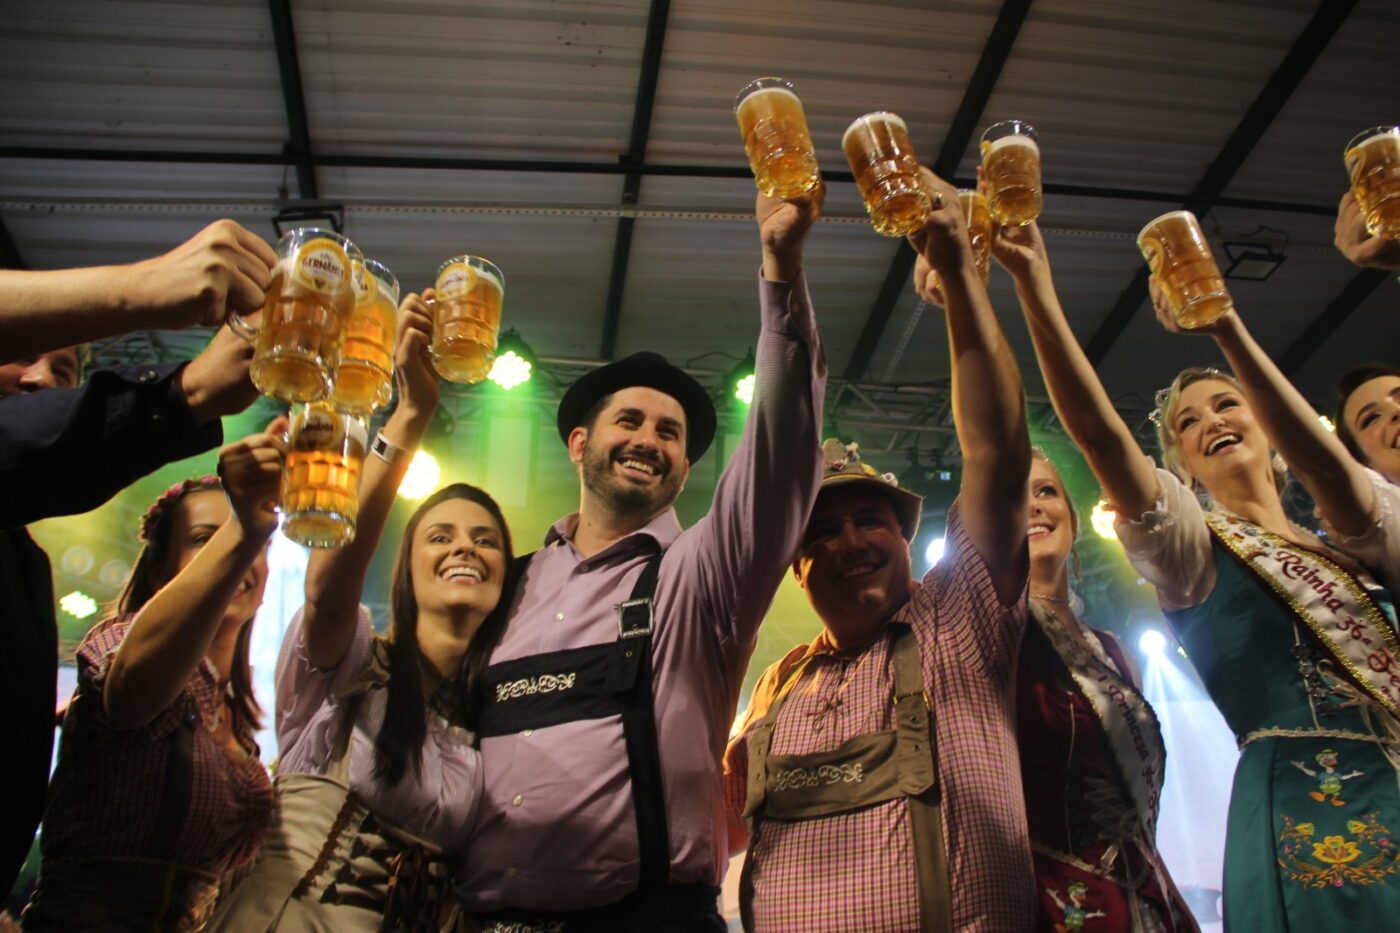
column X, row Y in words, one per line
column 1310, row 839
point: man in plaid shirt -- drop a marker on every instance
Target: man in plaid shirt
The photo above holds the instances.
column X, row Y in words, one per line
column 856, row 823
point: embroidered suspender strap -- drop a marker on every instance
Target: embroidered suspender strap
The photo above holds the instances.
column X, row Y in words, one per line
column 865, row 770
column 631, row 679
column 179, row 779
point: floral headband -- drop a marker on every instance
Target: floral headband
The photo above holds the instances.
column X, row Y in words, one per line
column 168, row 499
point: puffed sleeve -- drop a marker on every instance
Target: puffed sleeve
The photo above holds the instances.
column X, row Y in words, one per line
column 1170, row 545
column 1378, row 547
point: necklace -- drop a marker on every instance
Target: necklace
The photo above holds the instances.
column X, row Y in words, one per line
column 1046, row 597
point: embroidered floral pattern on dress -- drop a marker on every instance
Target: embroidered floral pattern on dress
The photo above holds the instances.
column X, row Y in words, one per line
column 1367, row 856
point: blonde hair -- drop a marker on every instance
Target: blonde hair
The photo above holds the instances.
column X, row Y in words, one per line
column 1038, row 453
column 1169, row 440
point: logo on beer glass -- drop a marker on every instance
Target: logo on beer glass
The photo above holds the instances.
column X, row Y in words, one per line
column 455, row 281
column 321, row 477
column 364, row 380
column 321, row 266
column 466, row 318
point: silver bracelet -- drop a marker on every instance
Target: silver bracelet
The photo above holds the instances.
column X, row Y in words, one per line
column 389, row 453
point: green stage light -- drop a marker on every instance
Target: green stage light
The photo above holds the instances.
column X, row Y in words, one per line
column 741, row 379
column 78, row 604
column 514, row 361
column 1102, row 518
column 422, row 476
column 743, row 389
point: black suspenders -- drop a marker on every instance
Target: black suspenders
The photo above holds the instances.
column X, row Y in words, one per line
column 613, row 678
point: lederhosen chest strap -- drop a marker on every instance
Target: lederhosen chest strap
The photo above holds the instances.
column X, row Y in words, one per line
column 610, row 679
column 863, row 771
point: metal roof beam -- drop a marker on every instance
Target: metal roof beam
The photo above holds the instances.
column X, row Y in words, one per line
column 1277, row 90
column 632, row 162
column 573, row 167
column 960, row 131
column 9, row 253
column 1325, row 324
column 299, row 148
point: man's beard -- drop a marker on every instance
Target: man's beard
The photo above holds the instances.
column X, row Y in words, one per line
column 623, row 497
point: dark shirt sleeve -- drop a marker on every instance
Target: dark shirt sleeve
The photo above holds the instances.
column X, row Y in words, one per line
column 65, row 451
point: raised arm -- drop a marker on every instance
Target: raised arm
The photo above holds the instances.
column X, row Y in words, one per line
column 1127, row 474
column 1315, row 455
column 335, row 577
column 175, row 628
column 222, row 268
column 989, row 408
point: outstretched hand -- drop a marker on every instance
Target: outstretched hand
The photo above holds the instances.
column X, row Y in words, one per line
column 1165, row 317
column 782, row 228
column 417, row 380
column 1357, row 243
column 1019, row 250
column 223, row 269
column 942, row 243
column 251, row 471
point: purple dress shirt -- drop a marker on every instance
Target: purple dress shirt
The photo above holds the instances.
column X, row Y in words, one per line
column 555, row 830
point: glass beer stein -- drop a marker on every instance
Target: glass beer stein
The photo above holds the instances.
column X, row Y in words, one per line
column 364, row 381
column 321, row 478
column 297, row 346
column 466, row 318
column 1011, row 163
column 1178, row 254
column 776, row 138
column 1373, row 165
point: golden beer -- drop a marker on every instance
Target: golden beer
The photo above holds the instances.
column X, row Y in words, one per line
column 321, row 478
column 1373, row 164
column 296, row 348
column 887, row 173
column 1011, row 163
column 776, row 138
column 466, row 318
column 1177, row 253
column 979, row 232
column 365, row 379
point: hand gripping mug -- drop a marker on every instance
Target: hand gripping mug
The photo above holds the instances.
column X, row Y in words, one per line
column 1373, row 165
column 296, row 347
column 364, row 381
column 466, row 317
column 321, row 478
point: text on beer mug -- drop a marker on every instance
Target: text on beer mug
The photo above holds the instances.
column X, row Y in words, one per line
column 321, row 477
column 297, row 346
column 1373, row 164
column 776, row 138
column 887, row 173
column 1011, row 164
column 364, row 380
column 466, row 318
column 1178, row 254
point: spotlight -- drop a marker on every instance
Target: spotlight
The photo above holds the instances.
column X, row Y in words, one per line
column 421, row 477
column 1102, row 518
column 741, row 380
column 934, row 553
column 1153, row 643
column 78, row 604
column 1327, row 423
column 1255, row 261
column 514, row 361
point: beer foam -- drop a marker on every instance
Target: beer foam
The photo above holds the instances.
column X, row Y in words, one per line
column 492, row 276
column 1389, row 137
column 1013, row 140
column 1169, row 215
column 879, row 116
column 769, row 90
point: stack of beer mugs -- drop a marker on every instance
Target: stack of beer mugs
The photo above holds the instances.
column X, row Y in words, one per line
column 325, row 345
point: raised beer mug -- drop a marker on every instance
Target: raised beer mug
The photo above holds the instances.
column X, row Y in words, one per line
column 973, row 205
column 296, row 348
column 887, row 173
column 776, row 138
column 466, row 318
column 321, row 477
column 1178, row 254
column 1373, row 165
column 364, row 381
column 1011, row 164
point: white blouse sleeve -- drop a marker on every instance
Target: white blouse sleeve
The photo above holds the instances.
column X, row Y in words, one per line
column 1170, row 545
column 1378, row 547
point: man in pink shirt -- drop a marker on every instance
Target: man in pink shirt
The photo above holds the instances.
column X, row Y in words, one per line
column 610, row 696
column 877, row 767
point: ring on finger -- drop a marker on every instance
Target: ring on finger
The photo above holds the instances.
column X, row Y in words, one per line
column 938, row 200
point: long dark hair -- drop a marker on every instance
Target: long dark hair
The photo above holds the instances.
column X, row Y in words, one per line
column 399, row 744
column 146, row 579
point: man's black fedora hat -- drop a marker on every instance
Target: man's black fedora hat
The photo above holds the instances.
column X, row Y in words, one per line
column 654, row 372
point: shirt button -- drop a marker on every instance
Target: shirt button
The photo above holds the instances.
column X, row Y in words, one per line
column 559, row 617
column 517, row 800
column 148, row 375
column 528, row 732
column 511, row 872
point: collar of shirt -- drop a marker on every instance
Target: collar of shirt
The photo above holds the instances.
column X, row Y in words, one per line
column 661, row 532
